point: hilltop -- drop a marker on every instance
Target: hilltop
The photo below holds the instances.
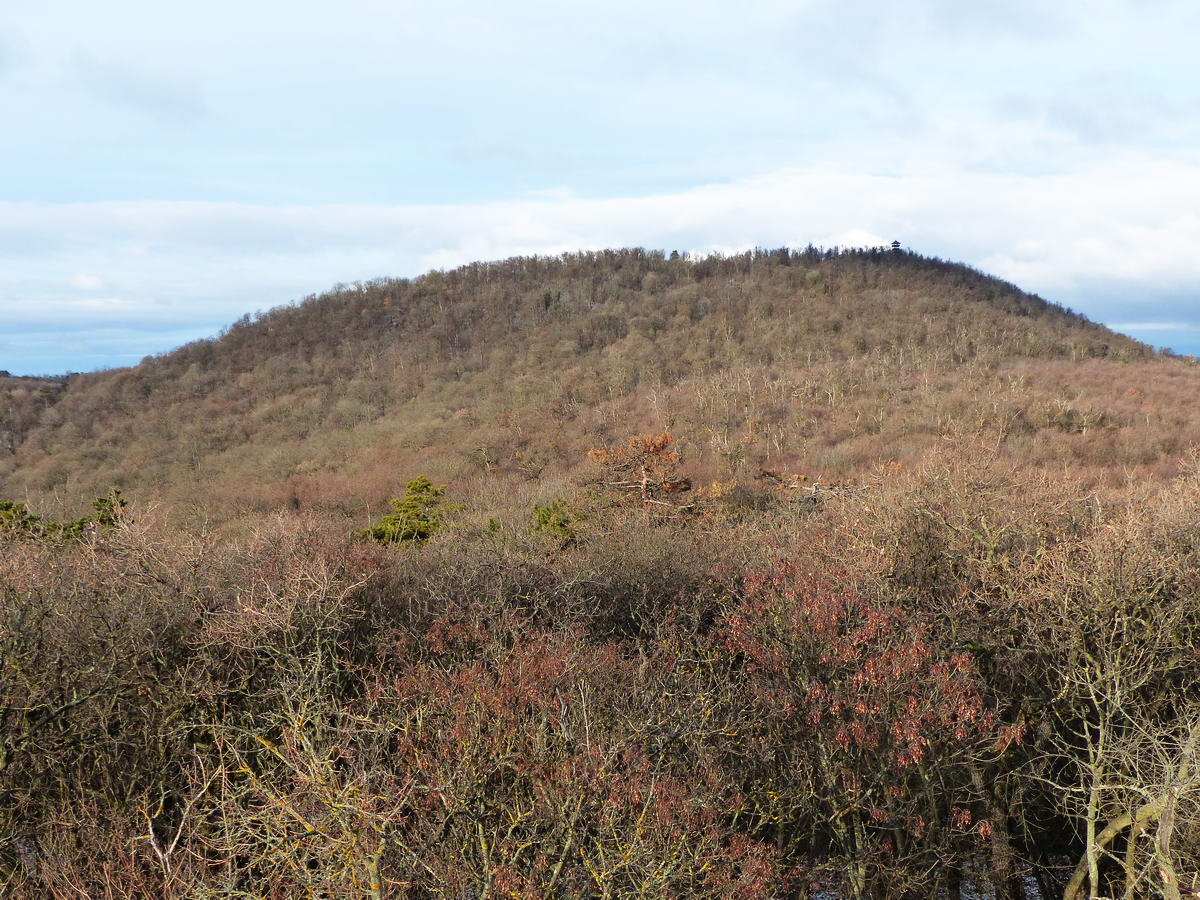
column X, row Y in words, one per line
column 816, row 362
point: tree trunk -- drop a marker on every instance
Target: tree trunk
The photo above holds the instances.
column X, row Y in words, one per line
column 1144, row 816
column 1166, row 821
column 1005, row 883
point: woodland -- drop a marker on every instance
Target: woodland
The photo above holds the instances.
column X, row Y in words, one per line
column 815, row 573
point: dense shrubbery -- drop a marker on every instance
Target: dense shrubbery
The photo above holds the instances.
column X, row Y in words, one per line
column 17, row 521
column 23, row 402
column 557, row 520
column 415, row 517
column 933, row 680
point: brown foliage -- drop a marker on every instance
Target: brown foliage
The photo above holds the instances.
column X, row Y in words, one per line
column 821, row 362
column 781, row 707
column 644, row 471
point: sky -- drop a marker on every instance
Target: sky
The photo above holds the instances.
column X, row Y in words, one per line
column 165, row 168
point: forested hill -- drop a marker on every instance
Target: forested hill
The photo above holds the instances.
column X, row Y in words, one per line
column 818, row 361
column 22, row 403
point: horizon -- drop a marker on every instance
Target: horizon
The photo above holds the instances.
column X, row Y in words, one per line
column 688, row 255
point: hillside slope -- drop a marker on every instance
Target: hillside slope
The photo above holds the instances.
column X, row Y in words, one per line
column 22, row 403
column 821, row 362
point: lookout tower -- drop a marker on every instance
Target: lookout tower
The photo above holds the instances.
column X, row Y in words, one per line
column 895, row 246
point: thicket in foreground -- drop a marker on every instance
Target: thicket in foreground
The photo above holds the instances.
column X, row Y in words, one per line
column 936, row 681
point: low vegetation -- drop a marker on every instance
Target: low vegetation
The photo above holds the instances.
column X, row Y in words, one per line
column 937, row 679
column 17, row 521
column 417, row 516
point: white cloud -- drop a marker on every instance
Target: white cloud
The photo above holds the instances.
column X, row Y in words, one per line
column 1116, row 241
column 87, row 282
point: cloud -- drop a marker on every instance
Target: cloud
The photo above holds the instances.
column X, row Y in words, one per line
column 1110, row 113
column 1113, row 241
column 159, row 95
column 87, row 282
column 1022, row 19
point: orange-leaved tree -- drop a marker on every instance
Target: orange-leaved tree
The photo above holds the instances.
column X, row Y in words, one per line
column 645, row 471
